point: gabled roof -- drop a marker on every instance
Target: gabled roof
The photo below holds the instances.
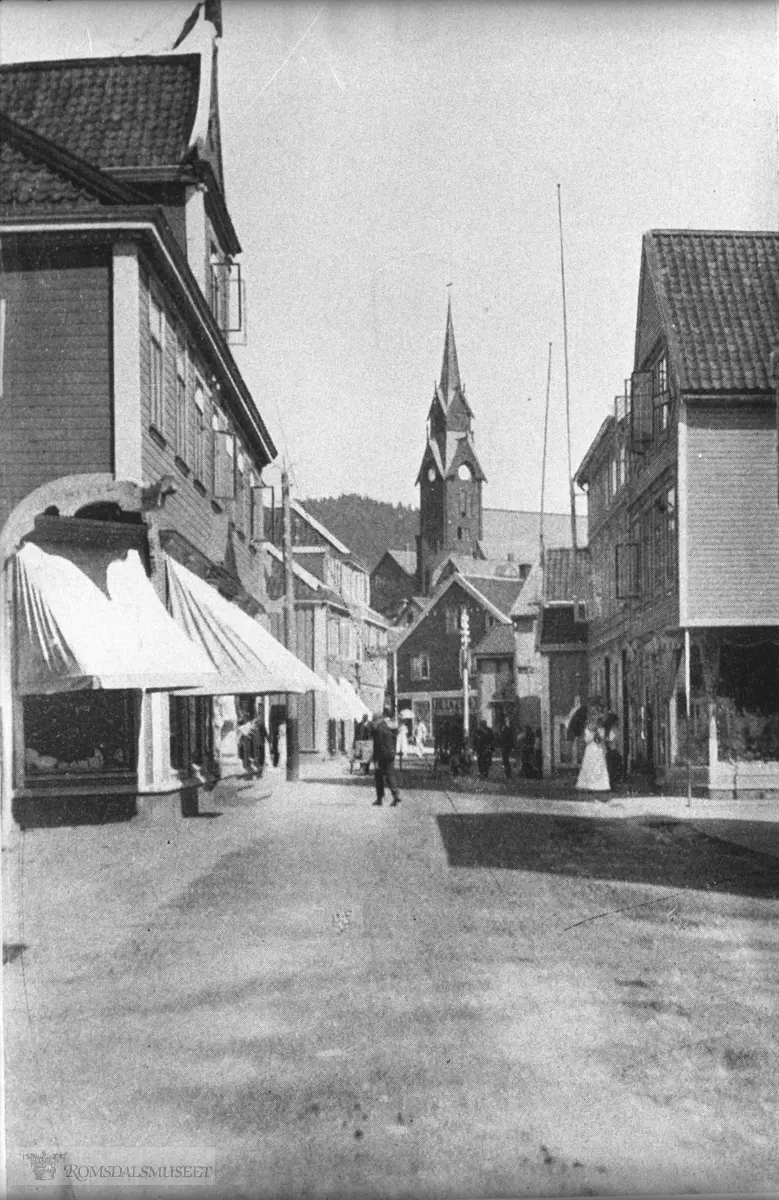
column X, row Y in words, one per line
column 558, row 575
column 476, row 568
column 113, row 112
column 500, row 592
column 405, row 559
column 36, row 174
column 528, row 601
column 324, row 594
column 606, row 430
column 718, row 293
column 460, row 449
column 467, row 586
column 497, row 642
column 321, row 529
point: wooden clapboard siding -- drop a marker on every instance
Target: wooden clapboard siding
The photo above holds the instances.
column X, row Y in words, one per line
column 649, row 328
column 56, row 404
column 192, row 511
column 732, row 516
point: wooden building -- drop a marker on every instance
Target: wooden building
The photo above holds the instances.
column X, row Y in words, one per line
column 683, row 520
column 340, row 636
column 126, row 421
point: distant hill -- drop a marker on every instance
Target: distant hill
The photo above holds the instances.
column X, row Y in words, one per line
column 368, row 527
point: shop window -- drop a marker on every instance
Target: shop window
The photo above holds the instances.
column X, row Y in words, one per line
column 86, row 734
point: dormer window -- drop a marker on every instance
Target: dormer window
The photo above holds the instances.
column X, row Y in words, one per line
column 464, row 473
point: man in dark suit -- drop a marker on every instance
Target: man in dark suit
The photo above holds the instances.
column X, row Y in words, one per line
column 384, row 759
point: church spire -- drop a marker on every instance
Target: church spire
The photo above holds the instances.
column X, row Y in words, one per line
column 450, row 372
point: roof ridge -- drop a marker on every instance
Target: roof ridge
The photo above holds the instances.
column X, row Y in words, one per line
column 748, row 233
column 99, row 59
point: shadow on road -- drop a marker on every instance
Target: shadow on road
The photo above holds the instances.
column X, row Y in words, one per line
column 669, row 854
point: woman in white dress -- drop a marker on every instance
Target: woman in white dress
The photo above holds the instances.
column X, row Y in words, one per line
column 593, row 774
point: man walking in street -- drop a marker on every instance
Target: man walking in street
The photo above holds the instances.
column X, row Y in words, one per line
column 484, row 745
column 384, row 759
column 506, row 747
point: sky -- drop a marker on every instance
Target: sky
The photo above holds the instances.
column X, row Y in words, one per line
column 382, row 157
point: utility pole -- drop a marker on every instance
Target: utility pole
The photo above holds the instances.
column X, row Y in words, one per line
column 290, row 627
column 465, row 641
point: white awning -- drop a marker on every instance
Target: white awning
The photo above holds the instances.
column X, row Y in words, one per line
column 338, row 706
column 357, row 707
column 246, row 657
column 88, row 618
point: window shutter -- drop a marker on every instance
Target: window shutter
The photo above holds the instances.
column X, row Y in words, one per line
column 641, row 409
column 224, row 465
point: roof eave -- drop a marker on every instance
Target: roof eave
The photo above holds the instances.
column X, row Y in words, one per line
column 150, row 223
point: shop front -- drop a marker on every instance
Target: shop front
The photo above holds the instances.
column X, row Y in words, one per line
column 91, row 652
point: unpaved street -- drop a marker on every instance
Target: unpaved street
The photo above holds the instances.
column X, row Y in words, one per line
column 466, row 996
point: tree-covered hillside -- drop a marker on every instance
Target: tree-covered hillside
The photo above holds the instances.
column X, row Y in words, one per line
column 368, row 527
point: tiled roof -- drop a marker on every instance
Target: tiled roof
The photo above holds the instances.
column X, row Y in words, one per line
column 35, row 174
column 500, row 592
column 497, row 642
column 28, row 183
column 112, row 112
column 719, row 296
column 558, row 574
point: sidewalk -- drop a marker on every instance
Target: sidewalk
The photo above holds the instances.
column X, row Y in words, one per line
column 750, row 823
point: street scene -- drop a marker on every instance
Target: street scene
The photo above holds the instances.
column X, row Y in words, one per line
column 472, row 994
column 389, row 570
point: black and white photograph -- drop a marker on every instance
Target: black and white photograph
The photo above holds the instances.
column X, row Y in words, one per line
column 389, row 599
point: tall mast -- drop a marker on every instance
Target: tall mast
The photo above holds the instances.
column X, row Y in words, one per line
column 568, row 401
column 543, row 460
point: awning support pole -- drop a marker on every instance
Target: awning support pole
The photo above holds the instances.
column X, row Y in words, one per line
column 290, row 628
column 689, row 709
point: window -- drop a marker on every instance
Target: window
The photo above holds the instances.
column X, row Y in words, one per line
column 199, row 450
column 157, row 364
column 622, row 463
column 641, row 409
column 420, row 667
column 239, row 513
column 256, row 512
column 660, row 394
column 670, row 536
column 223, row 481
column 459, row 533
column 452, row 619
column 627, row 570
column 182, row 363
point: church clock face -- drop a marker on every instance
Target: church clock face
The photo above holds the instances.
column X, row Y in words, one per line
column 431, row 474
column 464, row 472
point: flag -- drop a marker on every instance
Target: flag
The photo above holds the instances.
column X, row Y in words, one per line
column 189, row 24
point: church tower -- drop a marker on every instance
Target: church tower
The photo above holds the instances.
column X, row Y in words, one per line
column 450, row 477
